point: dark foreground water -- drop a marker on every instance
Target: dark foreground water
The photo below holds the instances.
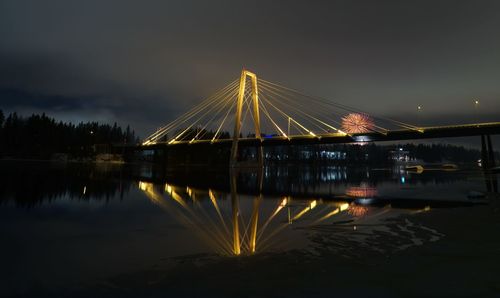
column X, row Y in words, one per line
column 80, row 230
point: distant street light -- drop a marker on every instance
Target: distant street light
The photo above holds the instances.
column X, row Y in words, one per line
column 419, row 110
column 476, row 107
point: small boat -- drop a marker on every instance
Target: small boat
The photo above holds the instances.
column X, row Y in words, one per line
column 417, row 168
column 449, row 167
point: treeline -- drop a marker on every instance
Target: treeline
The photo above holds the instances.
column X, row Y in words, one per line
column 55, row 181
column 39, row 136
column 441, row 152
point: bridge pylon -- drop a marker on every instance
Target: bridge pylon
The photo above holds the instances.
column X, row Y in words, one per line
column 239, row 108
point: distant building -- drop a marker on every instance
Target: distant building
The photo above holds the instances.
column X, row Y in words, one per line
column 399, row 154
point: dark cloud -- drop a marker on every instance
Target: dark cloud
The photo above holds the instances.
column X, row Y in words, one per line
column 145, row 62
column 12, row 98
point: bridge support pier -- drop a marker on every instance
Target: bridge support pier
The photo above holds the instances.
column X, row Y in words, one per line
column 488, row 162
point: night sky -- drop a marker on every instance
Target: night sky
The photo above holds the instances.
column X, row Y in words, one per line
column 145, row 62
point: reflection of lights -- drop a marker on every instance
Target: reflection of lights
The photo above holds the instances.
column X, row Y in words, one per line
column 253, row 225
column 357, row 211
column 364, row 201
column 308, row 208
column 84, row 189
column 168, row 188
column 341, row 208
column 361, row 191
column 313, row 204
column 332, row 213
column 224, row 229
column 211, row 234
column 142, row 186
column 344, row 206
column 281, row 205
column 362, row 139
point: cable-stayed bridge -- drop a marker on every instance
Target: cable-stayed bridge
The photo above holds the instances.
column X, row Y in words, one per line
column 251, row 111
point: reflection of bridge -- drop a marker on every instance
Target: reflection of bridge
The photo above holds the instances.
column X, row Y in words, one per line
column 223, row 225
column 290, row 117
column 231, row 225
column 251, row 213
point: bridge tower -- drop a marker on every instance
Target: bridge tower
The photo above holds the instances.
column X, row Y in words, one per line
column 256, row 118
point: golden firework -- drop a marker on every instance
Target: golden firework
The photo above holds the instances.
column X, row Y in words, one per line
column 357, row 123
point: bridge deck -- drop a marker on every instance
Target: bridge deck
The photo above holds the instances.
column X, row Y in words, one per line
column 465, row 130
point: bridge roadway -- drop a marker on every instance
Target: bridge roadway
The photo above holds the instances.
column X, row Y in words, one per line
column 490, row 128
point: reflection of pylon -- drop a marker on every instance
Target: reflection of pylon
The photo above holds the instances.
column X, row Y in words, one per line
column 256, row 118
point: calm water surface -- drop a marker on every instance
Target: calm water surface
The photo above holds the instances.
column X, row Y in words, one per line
column 71, row 230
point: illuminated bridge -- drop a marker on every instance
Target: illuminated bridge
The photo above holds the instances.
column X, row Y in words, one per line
column 261, row 113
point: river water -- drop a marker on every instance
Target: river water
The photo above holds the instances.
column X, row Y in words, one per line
column 101, row 230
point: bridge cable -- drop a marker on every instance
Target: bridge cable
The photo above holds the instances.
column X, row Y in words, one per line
column 191, row 112
column 181, row 120
column 227, row 101
column 352, row 109
column 317, row 119
column 199, row 119
column 212, row 104
column 188, row 115
column 308, row 115
column 384, row 130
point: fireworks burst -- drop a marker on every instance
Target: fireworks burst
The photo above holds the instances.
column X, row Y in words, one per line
column 357, row 123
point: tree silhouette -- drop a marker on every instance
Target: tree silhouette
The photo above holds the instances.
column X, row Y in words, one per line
column 40, row 136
